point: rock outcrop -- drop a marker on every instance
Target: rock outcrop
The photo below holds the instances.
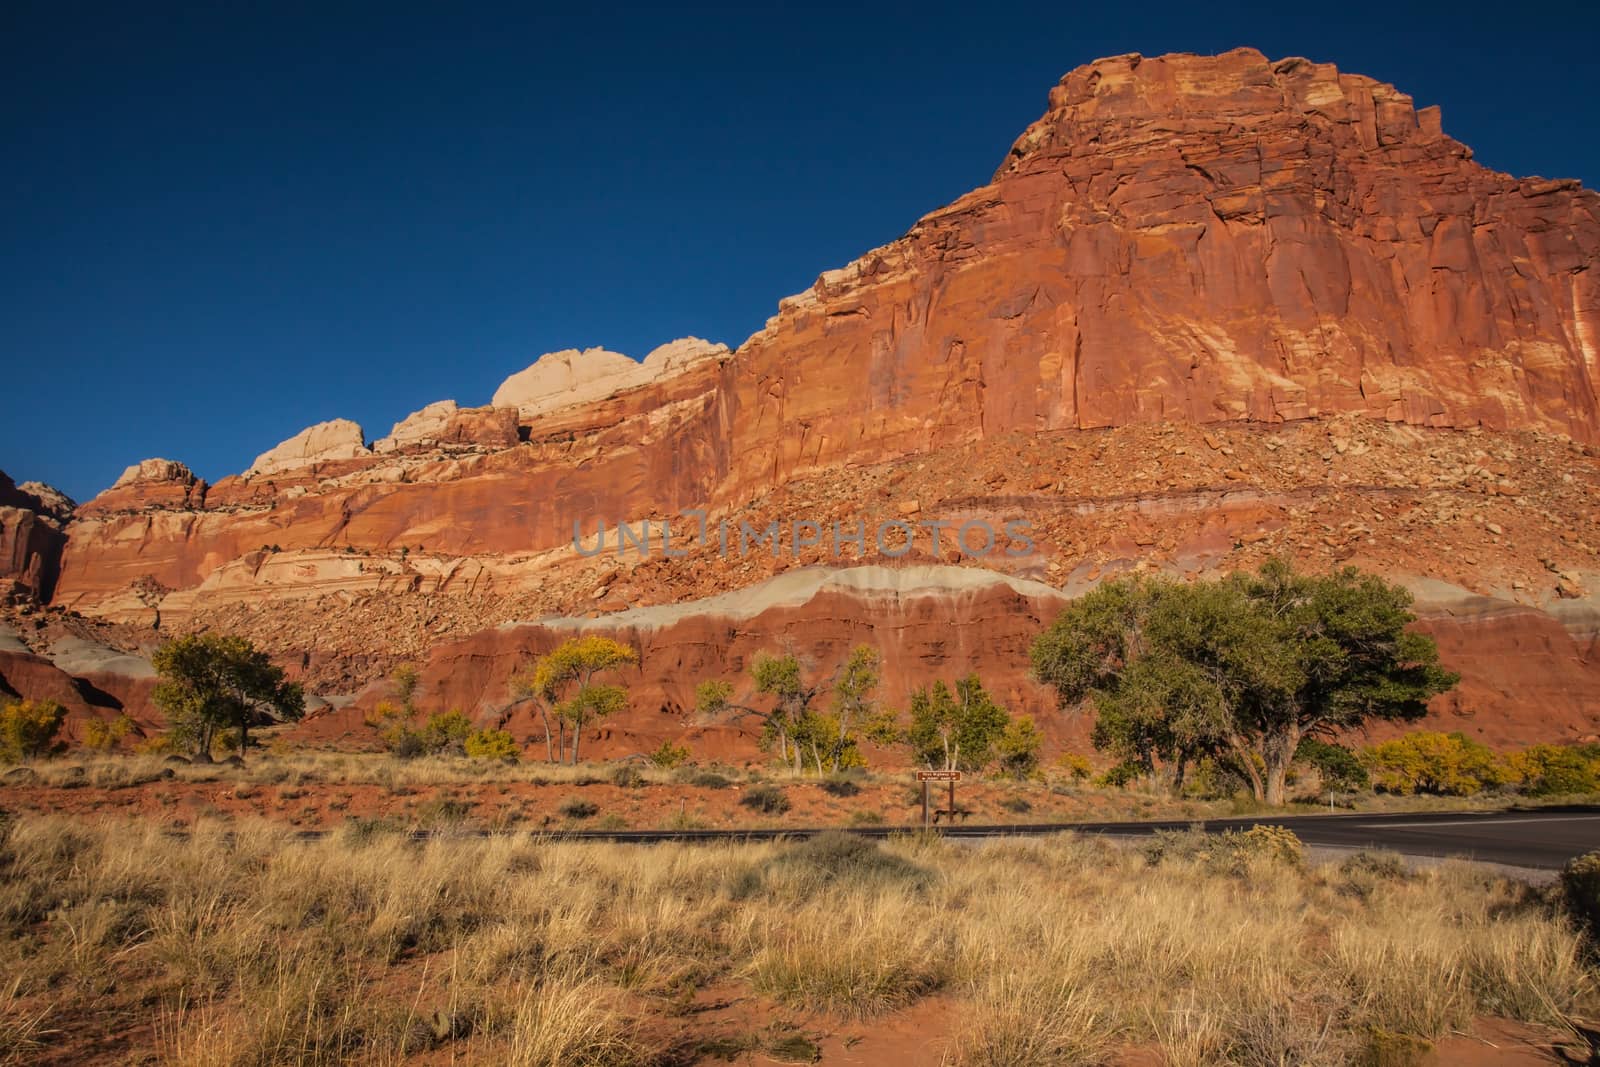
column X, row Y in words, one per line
column 333, row 440
column 444, row 425
column 570, row 377
column 32, row 536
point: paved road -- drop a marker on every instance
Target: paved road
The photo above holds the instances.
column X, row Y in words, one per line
column 1541, row 838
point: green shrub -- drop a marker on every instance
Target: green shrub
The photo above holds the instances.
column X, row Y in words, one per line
column 1339, row 767
column 1018, row 748
column 1120, row 776
column 446, row 731
column 1580, row 882
column 1231, row 851
column 492, row 744
column 578, row 808
column 627, row 776
column 866, row 818
column 669, row 755
column 1215, row 779
column 1017, row 805
column 767, row 799
column 839, row 787
column 710, row 780
column 1374, row 863
column 28, row 729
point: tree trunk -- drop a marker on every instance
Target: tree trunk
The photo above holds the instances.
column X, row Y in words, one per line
column 577, row 732
column 244, row 736
column 549, row 741
column 1278, row 753
column 1180, row 766
column 1248, row 764
column 202, row 744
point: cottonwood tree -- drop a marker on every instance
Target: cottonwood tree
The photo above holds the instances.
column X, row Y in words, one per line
column 563, row 683
column 211, row 682
column 853, row 705
column 792, row 721
column 1246, row 666
column 955, row 730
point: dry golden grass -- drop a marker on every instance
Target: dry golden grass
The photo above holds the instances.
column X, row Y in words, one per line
column 246, row 945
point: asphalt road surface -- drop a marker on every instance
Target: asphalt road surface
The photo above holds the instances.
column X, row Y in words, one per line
column 1544, row 838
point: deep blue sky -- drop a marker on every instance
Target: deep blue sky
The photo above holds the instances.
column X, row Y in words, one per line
column 222, row 223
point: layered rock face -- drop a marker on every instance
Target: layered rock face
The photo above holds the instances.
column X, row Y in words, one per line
column 32, row 536
column 1208, row 309
column 941, row 622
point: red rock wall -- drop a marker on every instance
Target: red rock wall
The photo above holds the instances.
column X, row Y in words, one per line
column 1511, row 659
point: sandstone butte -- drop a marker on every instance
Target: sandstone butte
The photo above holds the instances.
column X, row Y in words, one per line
column 1208, row 309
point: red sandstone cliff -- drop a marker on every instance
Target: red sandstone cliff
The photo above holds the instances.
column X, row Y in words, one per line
column 1259, row 248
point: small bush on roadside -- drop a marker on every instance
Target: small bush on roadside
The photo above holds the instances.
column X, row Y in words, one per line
column 492, row 744
column 627, row 776
column 1231, row 851
column 866, row 818
column 767, row 799
column 28, row 729
column 1580, row 882
column 1374, row 863
column 1017, row 805
column 710, row 780
column 669, row 755
column 578, row 808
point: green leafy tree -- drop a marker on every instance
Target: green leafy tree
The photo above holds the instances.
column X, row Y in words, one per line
column 787, row 722
column 792, row 722
column 28, row 729
column 853, row 705
column 211, row 682
column 955, row 730
column 565, row 685
column 1247, row 665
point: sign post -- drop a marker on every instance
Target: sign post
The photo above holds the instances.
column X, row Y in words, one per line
column 928, row 777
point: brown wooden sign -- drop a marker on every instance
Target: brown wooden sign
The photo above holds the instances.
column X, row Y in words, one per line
column 938, row 776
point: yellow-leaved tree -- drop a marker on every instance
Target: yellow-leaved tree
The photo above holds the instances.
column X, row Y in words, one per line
column 564, row 686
